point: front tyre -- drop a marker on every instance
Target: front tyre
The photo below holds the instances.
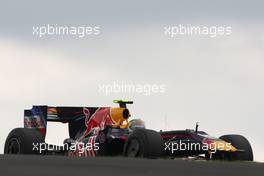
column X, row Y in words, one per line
column 242, row 144
column 20, row 141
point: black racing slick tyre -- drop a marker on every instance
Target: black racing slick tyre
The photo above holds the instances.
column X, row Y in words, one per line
column 244, row 152
column 144, row 143
column 22, row 141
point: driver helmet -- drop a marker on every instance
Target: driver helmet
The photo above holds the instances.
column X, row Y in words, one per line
column 136, row 123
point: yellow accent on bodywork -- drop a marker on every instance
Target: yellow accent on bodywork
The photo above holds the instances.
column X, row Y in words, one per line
column 221, row 145
column 117, row 115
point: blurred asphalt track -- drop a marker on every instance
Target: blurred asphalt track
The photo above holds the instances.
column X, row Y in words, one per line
column 69, row 166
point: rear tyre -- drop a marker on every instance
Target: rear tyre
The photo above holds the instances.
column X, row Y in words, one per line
column 144, row 143
column 20, row 141
column 241, row 143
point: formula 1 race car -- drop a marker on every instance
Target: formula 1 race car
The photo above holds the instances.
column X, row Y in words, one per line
column 106, row 131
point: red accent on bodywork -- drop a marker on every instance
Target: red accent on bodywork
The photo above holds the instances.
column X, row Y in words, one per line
column 101, row 118
column 208, row 141
column 42, row 132
column 169, row 136
column 123, row 137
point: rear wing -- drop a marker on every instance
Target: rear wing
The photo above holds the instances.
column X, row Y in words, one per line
column 38, row 116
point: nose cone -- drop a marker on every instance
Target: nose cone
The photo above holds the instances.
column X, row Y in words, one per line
column 224, row 146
